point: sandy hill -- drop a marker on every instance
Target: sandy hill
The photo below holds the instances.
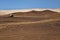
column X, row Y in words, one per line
column 33, row 13
column 49, row 30
column 3, row 12
column 31, row 25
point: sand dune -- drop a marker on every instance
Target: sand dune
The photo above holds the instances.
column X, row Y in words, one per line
column 31, row 25
column 5, row 12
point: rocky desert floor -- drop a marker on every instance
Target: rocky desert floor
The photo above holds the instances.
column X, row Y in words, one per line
column 31, row 27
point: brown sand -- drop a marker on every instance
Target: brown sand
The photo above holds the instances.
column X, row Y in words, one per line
column 31, row 27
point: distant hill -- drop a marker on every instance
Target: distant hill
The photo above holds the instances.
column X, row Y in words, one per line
column 35, row 13
column 32, row 13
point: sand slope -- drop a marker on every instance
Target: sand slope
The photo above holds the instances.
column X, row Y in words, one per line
column 33, row 27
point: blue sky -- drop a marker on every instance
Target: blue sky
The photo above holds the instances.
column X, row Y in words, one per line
column 23, row 4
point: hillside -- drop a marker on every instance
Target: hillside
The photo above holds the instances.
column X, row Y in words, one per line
column 35, row 31
column 33, row 13
column 32, row 25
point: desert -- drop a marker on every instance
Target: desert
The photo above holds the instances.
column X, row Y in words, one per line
column 30, row 25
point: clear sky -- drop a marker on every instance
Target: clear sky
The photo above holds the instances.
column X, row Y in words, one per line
column 23, row 4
